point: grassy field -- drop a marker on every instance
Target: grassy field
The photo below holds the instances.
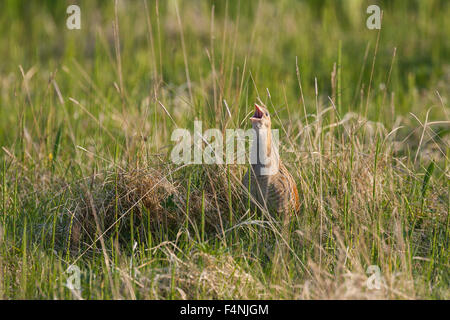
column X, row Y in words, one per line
column 86, row 178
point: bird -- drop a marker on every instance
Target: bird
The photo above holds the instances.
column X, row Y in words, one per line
column 267, row 180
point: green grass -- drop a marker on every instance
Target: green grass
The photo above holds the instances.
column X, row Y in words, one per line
column 86, row 118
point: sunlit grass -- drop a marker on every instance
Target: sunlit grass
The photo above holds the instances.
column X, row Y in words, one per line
column 86, row 178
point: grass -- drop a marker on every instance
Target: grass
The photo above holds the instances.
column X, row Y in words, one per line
column 86, row 179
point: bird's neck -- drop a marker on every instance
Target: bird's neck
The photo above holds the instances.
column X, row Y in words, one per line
column 267, row 159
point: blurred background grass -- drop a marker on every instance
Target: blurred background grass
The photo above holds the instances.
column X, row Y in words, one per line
column 263, row 37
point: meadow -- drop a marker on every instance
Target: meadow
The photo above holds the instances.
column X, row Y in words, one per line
column 86, row 178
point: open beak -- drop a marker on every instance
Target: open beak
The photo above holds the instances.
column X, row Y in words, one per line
column 257, row 116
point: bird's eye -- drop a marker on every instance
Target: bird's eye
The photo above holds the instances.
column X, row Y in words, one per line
column 267, row 114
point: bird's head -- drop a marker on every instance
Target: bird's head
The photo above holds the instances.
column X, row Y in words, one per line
column 261, row 118
column 264, row 153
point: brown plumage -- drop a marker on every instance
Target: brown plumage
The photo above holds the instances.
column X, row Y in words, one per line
column 271, row 184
